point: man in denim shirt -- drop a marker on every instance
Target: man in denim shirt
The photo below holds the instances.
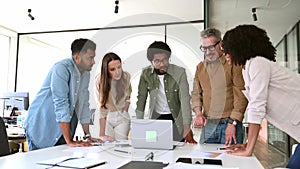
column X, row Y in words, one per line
column 62, row 101
column 169, row 92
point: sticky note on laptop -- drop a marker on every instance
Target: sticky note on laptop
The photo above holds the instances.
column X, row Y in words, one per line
column 151, row 136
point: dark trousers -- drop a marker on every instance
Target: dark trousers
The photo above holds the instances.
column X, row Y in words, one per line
column 176, row 134
column 294, row 162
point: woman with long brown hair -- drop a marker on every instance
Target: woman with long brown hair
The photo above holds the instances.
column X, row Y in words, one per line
column 114, row 89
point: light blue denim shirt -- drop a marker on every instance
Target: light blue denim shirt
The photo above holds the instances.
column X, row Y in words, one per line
column 55, row 102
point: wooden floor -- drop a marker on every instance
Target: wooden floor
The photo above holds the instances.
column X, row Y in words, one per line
column 268, row 156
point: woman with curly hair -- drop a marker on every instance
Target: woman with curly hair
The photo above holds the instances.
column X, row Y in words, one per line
column 114, row 89
column 273, row 91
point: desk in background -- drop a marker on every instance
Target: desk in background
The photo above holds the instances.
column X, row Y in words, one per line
column 117, row 159
column 16, row 135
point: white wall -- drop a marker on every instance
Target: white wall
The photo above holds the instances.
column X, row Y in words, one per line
column 38, row 53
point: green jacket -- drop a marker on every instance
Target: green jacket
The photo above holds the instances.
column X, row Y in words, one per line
column 177, row 93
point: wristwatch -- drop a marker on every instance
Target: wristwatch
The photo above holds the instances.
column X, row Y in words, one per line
column 86, row 136
column 231, row 121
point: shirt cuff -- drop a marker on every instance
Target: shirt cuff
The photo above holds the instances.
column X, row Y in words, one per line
column 256, row 119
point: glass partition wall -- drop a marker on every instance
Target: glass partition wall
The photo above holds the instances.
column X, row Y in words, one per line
column 288, row 55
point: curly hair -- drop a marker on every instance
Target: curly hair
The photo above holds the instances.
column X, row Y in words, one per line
column 247, row 41
column 158, row 47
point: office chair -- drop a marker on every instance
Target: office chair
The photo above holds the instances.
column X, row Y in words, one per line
column 4, row 147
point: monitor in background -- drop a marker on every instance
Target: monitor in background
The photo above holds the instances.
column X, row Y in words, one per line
column 14, row 101
column 19, row 100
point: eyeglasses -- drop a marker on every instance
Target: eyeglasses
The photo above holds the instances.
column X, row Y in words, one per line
column 210, row 48
column 157, row 62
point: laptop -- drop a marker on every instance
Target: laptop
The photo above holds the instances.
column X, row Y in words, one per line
column 152, row 134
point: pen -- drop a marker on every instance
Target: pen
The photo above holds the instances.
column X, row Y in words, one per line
column 97, row 144
column 221, row 148
column 95, row 165
column 121, row 151
column 149, row 156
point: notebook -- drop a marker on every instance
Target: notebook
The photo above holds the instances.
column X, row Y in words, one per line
column 152, row 134
column 79, row 162
column 144, row 165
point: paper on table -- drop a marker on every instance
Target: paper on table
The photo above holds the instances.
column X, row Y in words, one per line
column 91, row 149
column 180, row 165
column 117, row 142
column 72, row 162
column 205, row 154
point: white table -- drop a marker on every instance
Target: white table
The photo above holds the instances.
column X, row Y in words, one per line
column 117, row 159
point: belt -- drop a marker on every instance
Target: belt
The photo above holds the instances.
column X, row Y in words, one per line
column 217, row 121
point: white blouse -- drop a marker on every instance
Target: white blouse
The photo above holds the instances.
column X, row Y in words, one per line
column 273, row 93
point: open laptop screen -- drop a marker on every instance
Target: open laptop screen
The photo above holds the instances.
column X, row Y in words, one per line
column 151, row 134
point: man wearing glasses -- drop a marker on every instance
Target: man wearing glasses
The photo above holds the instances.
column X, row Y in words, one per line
column 217, row 97
column 169, row 92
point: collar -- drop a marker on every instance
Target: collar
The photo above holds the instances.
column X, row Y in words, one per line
column 75, row 66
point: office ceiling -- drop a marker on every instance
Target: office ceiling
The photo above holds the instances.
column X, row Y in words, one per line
column 276, row 16
column 77, row 14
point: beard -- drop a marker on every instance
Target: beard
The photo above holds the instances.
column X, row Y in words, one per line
column 160, row 72
column 211, row 57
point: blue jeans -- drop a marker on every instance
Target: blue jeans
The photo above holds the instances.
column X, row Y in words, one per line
column 31, row 146
column 294, row 162
column 214, row 131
